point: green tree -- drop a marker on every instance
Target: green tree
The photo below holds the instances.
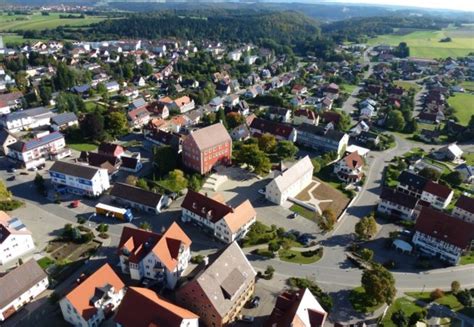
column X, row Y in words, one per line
column 379, row 284
column 316, row 165
column 195, row 182
column 101, row 89
column 430, row 173
column 399, row 318
column 5, row 194
column 146, row 69
column 165, row 159
column 251, row 155
column 344, row 122
column 177, row 179
column 286, row 150
column 222, row 118
column 44, row 93
column 65, row 77
column 92, row 126
column 366, row 228
column 234, row 119
column 143, row 184
column 267, row 143
column 395, row 120
column 367, row 254
column 455, row 286
column 116, row 124
column 39, row 183
column 416, row 317
column 145, row 225
column 454, row 178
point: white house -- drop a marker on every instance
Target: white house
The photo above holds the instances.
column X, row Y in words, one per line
column 290, row 182
column 21, row 286
column 93, row 299
column 234, row 55
column 112, row 86
column 451, row 152
column 26, row 119
column 34, row 152
column 79, row 179
column 438, row 195
column 307, row 116
column 226, row 223
column 438, row 234
column 250, row 60
column 161, row 257
column 349, row 168
column 139, row 198
column 464, row 209
column 184, row 104
column 399, row 205
column 15, row 239
column 64, row 121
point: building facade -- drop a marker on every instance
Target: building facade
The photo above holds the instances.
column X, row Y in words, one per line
column 15, row 239
column 322, row 138
column 464, row 209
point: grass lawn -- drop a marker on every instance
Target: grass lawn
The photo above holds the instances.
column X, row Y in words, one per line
column 469, row 158
column 348, row 88
column 468, row 86
column 45, row 262
column 361, row 302
column 408, row 85
column 36, row 21
column 306, row 257
column 82, row 146
column 92, row 105
column 308, row 214
column 404, row 304
column 448, row 299
column 467, row 259
column 425, row 43
column 463, row 105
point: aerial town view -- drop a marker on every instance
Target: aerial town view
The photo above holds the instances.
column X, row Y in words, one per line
column 236, row 163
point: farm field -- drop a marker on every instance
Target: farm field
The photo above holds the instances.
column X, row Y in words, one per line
column 463, row 104
column 37, row 21
column 425, row 44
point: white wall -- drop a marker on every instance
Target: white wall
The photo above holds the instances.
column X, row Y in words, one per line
column 15, row 246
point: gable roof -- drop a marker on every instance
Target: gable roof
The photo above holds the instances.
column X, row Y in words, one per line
column 399, row 198
column 151, row 309
column 138, row 113
column 353, row 160
column 19, row 280
column 445, row 228
column 64, row 118
column 205, row 206
column 80, row 297
column 210, row 136
column 413, row 180
column 274, row 128
column 82, row 171
column 292, row 174
column 138, row 243
column 328, row 133
column 465, row 203
column 109, row 148
column 135, row 194
column 22, row 146
column 223, row 280
column 439, row 190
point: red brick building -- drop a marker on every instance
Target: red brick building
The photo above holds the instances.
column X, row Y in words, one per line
column 207, row 147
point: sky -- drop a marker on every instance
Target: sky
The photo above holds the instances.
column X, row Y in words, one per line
column 466, row 5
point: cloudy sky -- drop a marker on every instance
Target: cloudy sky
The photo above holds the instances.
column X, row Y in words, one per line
column 467, row 5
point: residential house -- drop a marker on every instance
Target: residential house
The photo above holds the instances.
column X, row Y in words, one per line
column 451, row 152
column 299, row 89
column 349, row 168
column 11, row 101
column 411, row 183
column 443, row 236
column 94, row 299
column 217, row 103
column 161, row 257
column 464, row 209
column 240, row 133
column 26, row 119
column 159, row 109
column 79, row 179
column 282, row 115
column 6, row 139
column 281, row 131
column 290, row 182
column 21, row 286
column 64, row 120
column 138, row 117
column 111, row 149
column 221, row 287
column 138, row 198
column 152, row 310
column 164, row 138
column 467, row 172
column 183, row 104
column 15, row 239
column 359, row 128
column 399, row 205
column 368, row 138
column 438, row 195
column 131, row 162
column 367, row 111
column 112, row 86
column 82, row 90
column 226, row 223
column 331, row 91
column 110, row 163
column 322, row 138
column 324, row 104
column 430, row 136
column 139, row 81
column 34, row 152
column 307, row 116
column 431, row 118
column 207, row 147
column 137, row 103
column 297, row 308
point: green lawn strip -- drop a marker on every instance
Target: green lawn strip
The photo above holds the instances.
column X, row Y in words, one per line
column 308, row 214
column 45, row 262
column 264, row 253
column 469, row 158
column 408, row 85
column 463, row 105
column 305, row 257
column 448, row 300
column 467, row 259
column 82, row 146
column 361, row 302
column 468, row 86
column 348, row 88
column 408, row 307
column 40, row 22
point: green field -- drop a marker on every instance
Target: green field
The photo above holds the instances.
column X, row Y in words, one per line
column 404, row 304
column 463, row 105
column 37, row 21
column 408, row 85
column 425, row 44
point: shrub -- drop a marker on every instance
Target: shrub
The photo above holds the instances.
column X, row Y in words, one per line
column 54, row 298
column 197, row 259
column 399, row 318
column 102, row 228
column 87, row 237
column 273, row 246
column 389, row 264
column 366, row 254
column 416, row 317
column 104, row 235
column 436, row 294
column 81, row 220
column 465, row 298
column 455, row 286
column 10, row 205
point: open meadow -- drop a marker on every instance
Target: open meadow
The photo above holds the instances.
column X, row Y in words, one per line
column 37, row 21
column 426, row 43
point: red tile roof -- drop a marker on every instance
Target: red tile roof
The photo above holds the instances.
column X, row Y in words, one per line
column 202, row 205
column 142, row 307
column 274, row 128
column 354, row 160
column 465, row 203
column 439, row 190
column 445, row 228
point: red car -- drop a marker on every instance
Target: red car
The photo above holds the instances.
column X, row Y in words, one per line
column 75, row 204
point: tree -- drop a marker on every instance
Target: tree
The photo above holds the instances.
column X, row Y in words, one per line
column 234, row 119
column 177, row 179
column 195, row 182
column 143, row 184
column 395, row 120
column 92, row 126
column 222, row 118
column 39, row 183
column 416, row 317
column 366, row 228
column 379, row 284
column 316, row 165
column 44, row 93
column 131, row 180
column 329, row 220
column 286, row 150
column 402, row 50
column 251, row 155
column 69, row 102
column 165, row 159
column 455, row 286
column 116, row 124
column 430, row 173
column 145, row 225
column 101, row 89
column 436, row 294
column 367, row 254
column 399, row 318
column 146, row 69
column 454, row 178
column 267, row 143
column 344, row 121
column 102, row 228
column 273, row 246
column 465, row 298
column 65, row 77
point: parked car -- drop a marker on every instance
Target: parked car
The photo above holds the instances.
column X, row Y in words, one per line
column 255, row 302
column 24, row 173
column 248, row 319
column 293, row 215
column 11, row 178
column 11, row 170
column 75, row 204
column 261, row 191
